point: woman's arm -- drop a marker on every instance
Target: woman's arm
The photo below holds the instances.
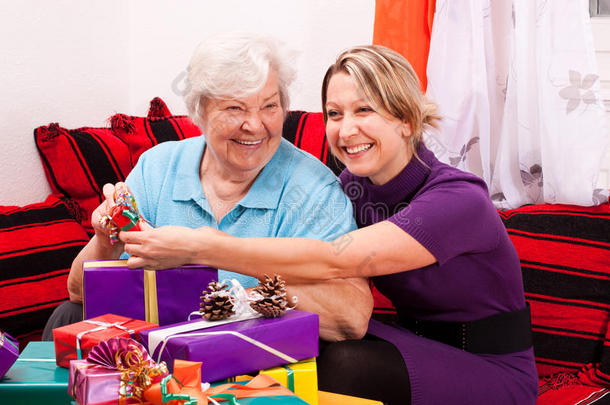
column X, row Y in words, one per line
column 379, row 249
column 344, row 306
column 98, row 248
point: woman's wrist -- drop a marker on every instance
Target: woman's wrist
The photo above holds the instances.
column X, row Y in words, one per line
column 207, row 246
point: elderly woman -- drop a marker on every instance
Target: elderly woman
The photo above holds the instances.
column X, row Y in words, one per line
column 429, row 237
column 241, row 177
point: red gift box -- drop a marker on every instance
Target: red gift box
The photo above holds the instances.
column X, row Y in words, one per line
column 75, row 341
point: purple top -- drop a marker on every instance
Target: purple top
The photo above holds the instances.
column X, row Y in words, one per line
column 448, row 211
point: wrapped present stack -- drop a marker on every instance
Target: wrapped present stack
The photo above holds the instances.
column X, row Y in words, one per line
column 234, row 332
column 119, row 354
column 121, row 368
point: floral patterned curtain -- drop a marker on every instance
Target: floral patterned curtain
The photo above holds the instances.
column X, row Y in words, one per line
column 517, row 86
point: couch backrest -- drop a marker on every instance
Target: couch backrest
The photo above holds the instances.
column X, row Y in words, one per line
column 564, row 250
column 565, row 259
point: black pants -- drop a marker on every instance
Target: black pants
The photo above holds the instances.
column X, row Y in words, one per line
column 369, row 368
column 65, row 314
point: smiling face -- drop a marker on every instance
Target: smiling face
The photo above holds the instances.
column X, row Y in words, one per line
column 370, row 144
column 243, row 134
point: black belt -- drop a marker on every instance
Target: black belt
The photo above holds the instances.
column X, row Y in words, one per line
column 502, row 333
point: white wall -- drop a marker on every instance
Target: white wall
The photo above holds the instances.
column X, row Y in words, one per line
column 77, row 63
column 62, row 61
column 163, row 36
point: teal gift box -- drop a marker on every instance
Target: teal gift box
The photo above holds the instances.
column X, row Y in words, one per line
column 35, row 378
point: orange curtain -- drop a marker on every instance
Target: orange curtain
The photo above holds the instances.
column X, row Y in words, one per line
column 405, row 26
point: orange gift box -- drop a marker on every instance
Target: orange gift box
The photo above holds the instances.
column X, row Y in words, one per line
column 75, row 341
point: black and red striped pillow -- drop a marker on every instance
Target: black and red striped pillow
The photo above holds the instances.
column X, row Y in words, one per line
column 78, row 162
column 142, row 133
column 38, row 243
column 306, row 131
column 565, row 259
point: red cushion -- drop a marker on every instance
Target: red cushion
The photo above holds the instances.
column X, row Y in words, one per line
column 78, row 162
column 565, row 259
column 38, row 243
column 569, row 390
column 141, row 133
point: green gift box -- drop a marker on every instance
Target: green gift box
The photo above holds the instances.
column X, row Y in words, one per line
column 35, row 378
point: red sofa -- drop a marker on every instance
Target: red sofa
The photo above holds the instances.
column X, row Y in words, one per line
column 564, row 250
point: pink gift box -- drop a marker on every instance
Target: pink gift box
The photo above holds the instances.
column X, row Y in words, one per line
column 91, row 384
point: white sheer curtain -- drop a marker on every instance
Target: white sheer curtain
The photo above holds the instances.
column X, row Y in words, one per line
column 517, row 86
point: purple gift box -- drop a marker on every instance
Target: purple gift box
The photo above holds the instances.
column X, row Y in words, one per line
column 233, row 348
column 9, row 351
column 163, row 296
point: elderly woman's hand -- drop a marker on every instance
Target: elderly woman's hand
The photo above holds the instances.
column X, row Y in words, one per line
column 102, row 233
column 160, row 248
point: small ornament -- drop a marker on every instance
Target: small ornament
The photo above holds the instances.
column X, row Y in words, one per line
column 216, row 302
column 272, row 302
column 123, row 216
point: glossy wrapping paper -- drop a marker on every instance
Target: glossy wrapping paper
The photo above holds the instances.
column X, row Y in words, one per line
column 90, row 384
column 9, row 351
column 35, row 378
column 114, row 366
column 301, row 378
column 239, row 347
column 163, row 296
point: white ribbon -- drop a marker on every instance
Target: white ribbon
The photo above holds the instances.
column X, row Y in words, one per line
column 248, row 339
column 157, row 336
column 240, row 299
column 102, row 326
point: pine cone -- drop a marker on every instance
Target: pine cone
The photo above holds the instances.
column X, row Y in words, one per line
column 216, row 302
column 273, row 302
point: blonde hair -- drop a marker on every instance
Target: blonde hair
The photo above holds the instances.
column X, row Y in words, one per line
column 389, row 83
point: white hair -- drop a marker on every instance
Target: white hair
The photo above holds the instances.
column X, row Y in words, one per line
column 235, row 65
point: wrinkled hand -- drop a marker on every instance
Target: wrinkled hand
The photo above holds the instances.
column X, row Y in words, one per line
column 160, row 248
column 103, row 234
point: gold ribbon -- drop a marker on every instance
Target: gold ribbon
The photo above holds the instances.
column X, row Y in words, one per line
column 151, row 307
